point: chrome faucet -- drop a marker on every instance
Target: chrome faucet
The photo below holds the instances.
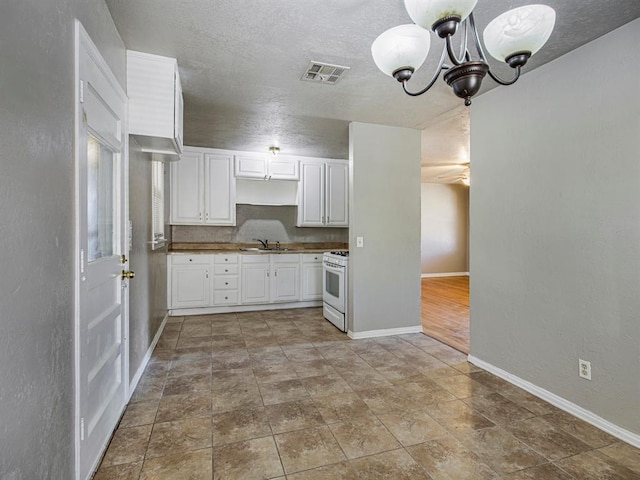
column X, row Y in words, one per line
column 265, row 243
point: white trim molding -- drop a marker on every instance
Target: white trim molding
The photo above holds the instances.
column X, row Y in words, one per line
column 561, row 403
column 386, row 332
column 446, row 274
column 179, row 312
column 145, row 360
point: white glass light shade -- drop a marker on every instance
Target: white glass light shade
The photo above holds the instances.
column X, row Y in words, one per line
column 523, row 29
column 404, row 46
column 427, row 12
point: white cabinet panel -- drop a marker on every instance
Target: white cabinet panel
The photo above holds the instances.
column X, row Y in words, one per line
column 324, row 194
column 229, row 282
column 311, row 277
column 337, row 198
column 226, row 298
column 155, row 102
column 266, row 167
column 286, row 282
column 248, row 166
column 190, row 286
column 202, row 189
column 186, row 190
column 255, row 283
column 311, row 205
column 226, row 269
column 220, row 187
column 281, row 169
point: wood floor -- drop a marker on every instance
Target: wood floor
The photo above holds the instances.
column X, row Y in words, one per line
column 445, row 310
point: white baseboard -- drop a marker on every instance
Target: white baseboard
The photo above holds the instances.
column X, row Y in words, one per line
column 147, row 356
column 176, row 312
column 386, row 332
column 447, row 274
column 561, row 403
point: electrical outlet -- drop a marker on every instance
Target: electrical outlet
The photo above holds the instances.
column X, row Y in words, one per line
column 584, row 369
column 359, row 242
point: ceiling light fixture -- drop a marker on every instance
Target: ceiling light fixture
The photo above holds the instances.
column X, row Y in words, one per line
column 512, row 37
column 274, row 150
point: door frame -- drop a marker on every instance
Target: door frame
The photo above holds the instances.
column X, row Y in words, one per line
column 82, row 41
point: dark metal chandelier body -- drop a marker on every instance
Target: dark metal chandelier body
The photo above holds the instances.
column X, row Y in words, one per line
column 512, row 38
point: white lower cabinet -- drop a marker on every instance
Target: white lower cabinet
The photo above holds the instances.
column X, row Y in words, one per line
column 255, row 279
column 189, row 281
column 311, row 277
column 227, row 280
column 286, row 278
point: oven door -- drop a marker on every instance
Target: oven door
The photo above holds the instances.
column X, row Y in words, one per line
column 333, row 287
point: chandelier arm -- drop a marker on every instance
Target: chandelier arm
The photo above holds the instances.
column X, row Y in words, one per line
column 483, row 57
column 452, row 55
column 476, row 37
column 433, row 80
column 497, row 79
column 464, row 52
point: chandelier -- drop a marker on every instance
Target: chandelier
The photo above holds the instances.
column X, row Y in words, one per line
column 512, row 37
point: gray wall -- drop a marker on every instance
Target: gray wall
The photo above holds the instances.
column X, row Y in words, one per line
column 384, row 281
column 36, row 227
column 258, row 221
column 445, row 228
column 555, row 227
column 148, row 291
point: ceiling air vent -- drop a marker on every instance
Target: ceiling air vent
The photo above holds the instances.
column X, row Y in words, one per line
column 323, row 73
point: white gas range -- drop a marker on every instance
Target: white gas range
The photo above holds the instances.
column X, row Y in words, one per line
column 334, row 288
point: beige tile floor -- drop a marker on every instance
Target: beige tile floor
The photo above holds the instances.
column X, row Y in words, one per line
column 283, row 394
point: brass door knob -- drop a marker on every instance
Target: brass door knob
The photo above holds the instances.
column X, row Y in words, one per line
column 129, row 274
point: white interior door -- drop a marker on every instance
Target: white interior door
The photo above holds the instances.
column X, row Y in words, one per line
column 101, row 293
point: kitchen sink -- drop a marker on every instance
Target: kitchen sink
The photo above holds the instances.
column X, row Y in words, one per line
column 256, row 249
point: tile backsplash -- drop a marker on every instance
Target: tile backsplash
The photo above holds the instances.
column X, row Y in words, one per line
column 277, row 224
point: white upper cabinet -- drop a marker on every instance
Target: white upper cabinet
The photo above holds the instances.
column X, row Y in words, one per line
column 219, row 190
column 265, row 167
column 155, row 102
column 187, row 190
column 337, row 194
column 324, row 194
column 203, row 189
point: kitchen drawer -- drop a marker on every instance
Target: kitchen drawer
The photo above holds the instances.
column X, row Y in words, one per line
column 260, row 258
column 225, row 282
column 225, row 269
column 179, row 259
column 225, row 259
column 225, row 298
column 312, row 258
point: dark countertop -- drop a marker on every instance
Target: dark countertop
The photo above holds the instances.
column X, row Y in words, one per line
column 211, row 248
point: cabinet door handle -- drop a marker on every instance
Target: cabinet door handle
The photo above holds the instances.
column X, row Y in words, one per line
column 207, row 216
column 200, row 215
column 226, row 283
column 207, row 274
column 226, row 269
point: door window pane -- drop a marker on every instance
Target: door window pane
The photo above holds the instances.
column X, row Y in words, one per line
column 101, row 200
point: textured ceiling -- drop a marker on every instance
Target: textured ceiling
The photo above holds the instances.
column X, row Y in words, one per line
column 240, row 63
